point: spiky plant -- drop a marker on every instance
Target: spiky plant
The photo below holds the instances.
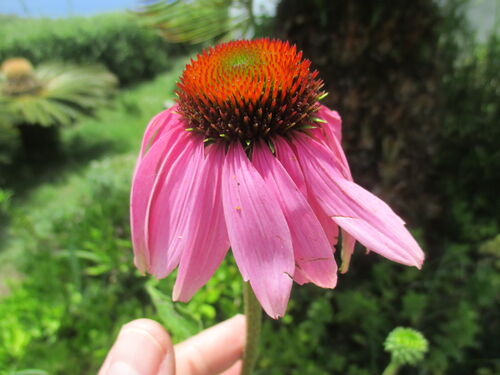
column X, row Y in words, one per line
column 38, row 101
column 197, row 21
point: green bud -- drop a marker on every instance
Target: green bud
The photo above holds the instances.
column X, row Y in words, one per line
column 406, row 345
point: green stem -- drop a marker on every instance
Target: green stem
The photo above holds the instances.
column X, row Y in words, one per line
column 253, row 313
column 391, row 369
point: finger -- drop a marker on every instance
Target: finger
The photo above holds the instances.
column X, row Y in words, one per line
column 213, row 350
column 142, row 345
column 234, row 369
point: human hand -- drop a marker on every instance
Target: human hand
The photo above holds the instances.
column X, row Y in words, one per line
column 143, row 347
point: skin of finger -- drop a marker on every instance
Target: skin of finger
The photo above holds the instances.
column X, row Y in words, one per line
column 142, row 345
column 213, row 350
column 234, row 369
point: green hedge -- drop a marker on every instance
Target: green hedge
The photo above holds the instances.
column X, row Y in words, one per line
column 115, row 40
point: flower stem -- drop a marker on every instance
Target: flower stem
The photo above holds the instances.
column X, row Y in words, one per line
column 253, row 313
column 391, row 369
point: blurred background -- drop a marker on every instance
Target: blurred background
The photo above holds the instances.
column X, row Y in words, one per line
column 418, row 86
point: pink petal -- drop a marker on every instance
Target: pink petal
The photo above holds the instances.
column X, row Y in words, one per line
column 313, row 253
column 171, row 203
column 299, row 277
column 258, row 232
column 329, row 227
column 142, row 184
column 333, row 120
column 330, row 134
column 208, row 241
column 356, row 210
column 161, row 123
column 288, row 159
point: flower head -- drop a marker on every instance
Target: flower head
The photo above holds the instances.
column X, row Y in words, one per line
column 249, row 91
column 249, row 160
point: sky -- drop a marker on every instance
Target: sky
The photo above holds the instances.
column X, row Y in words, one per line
column 63, row 8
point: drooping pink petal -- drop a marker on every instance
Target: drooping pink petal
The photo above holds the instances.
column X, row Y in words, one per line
column 258, row 232
column 333, row 120
column 330, row 134
column 207, row 241
column 299, row 277
column 170, row 205
column 356, row 210
column 161, row 123
column 330, row 228
column 313, row 253
column 145, row 175
column 288, row 159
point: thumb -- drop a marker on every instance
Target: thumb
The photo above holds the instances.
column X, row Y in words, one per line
column 143, row 347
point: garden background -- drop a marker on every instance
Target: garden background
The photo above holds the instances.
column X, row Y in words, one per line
column 418, row 86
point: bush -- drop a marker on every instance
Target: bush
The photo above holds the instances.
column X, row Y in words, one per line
column 470, row 139
column 115, row 40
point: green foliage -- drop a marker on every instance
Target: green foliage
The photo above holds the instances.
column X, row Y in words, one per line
column 114, row 40
column 471, row 134
column 9, row 139
column 180, row 325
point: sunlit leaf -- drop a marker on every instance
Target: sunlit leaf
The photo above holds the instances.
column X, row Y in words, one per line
column 197, row 21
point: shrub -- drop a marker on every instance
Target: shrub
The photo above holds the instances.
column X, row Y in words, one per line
column 470, row 139
column 115, row 40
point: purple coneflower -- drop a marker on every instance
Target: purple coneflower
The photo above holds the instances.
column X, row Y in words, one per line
column 249, row 160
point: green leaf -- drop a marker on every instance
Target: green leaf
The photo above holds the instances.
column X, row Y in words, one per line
column 177, row 321
column 196, row 21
